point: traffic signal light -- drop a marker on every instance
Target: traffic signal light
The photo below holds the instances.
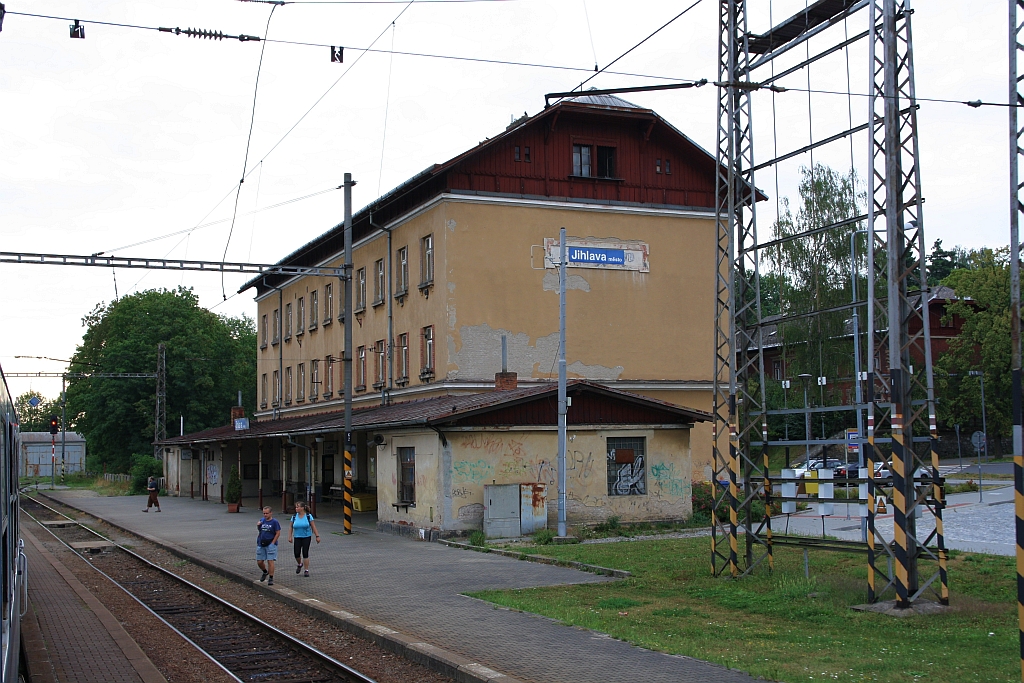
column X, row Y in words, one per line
column 54, row 424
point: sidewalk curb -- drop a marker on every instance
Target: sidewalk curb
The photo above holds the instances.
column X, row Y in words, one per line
column 435, row 658
column 540, row 559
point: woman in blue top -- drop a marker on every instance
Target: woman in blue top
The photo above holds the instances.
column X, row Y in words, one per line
column 302, row 532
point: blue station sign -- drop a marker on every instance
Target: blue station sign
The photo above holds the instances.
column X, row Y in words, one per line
column 595, row 255
column 596, row 252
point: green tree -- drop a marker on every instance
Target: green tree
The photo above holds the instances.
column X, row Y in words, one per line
column 983, row 291
column 36, row 419
column 209, row 359
column 942, row 262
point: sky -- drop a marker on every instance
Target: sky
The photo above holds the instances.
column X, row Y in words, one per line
column 129, row 135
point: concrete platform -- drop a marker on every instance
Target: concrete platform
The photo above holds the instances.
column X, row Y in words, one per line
column 70, row 637
column 407, row 594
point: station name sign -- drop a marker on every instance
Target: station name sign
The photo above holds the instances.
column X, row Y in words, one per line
column 595, row 252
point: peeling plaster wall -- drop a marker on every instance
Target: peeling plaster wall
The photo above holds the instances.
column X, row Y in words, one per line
column 517, row 457
column 429, row 509
column 481, row 353
column 621, row 325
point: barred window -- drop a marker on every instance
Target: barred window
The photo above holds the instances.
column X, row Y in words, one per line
column 406, row 475
column 627, row 474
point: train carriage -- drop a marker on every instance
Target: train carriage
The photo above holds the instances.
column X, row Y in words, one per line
column 14, row 582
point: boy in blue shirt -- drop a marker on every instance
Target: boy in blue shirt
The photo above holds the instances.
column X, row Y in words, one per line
column 266, row 544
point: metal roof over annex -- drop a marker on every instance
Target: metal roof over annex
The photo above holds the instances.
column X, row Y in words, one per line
column 532, row 406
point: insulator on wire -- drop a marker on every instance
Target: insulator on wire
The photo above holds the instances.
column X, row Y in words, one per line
column 203, row 33
column 337, row 54
column 77, row 30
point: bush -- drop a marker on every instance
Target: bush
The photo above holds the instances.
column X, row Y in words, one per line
column 478, row 538
column 703, row 498
column 144, row 467
column 544, row 536
column 233, row 491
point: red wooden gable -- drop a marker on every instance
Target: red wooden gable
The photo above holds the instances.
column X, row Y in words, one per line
column 587, row 409
column 653, row 163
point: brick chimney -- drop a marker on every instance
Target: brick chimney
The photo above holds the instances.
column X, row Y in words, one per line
column 505, row 380
column 236, row 413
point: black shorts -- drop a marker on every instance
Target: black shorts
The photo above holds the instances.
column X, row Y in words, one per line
column 302, row 546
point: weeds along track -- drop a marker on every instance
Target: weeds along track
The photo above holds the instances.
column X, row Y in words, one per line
column 246, row 647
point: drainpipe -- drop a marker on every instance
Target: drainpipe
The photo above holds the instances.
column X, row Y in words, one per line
column 385, row 394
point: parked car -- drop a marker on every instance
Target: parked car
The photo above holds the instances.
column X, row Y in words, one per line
column 848, row 471
column 833, row 465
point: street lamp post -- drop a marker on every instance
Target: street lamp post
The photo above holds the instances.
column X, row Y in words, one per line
column 805, row 378
column 984, row 430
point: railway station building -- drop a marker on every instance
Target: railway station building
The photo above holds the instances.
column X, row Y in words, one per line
column 461, row 258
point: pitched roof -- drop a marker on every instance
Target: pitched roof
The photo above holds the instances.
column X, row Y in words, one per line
column 440, row 411
column 432, row 181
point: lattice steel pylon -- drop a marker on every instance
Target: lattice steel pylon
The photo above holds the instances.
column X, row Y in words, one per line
column 739, row 388
column 900, row 400
column 903, row 398
column 160, row 420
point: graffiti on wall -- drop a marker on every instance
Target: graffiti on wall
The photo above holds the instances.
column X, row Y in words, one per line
column 627, row 478
column 473, row 471
column 666, row 481
column 473, row 512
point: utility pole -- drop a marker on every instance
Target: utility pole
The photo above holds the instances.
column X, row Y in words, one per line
column 347, row 353
column 160, row 423
column 63, row 426
column 562, row 399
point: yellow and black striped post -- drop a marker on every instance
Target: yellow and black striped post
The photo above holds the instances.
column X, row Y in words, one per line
column 1018, row 504
column 902, row 455
column 348, row 489
column 938, row 493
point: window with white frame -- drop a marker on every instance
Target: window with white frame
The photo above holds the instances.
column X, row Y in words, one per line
column 277, row 388
column 300, row 386
column 287, row 322
column 361, row 290
column 627, row 473
column 427, row 353
column 581, row 165
column 300, row 318
column 314, row 379
column 403, row 357
column 263, row 332
column 263, row 388
column 402, row 285
column 277, row 326
column 379, row 285
column 361, row 368
column 328, row 303
column 426, row 261
column 288, row 385
column 314, row 308
column 328, row 376
column 380, row 364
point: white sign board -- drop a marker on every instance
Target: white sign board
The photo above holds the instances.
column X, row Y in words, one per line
column 594, row 252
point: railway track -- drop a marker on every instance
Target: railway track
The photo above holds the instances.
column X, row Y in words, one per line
column 247, row 648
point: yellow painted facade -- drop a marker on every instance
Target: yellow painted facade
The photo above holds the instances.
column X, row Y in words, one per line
column 649, row 333
column 450, row 479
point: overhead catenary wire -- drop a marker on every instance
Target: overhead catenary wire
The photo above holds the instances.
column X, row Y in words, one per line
column 387, row 108
column 218, row 222
column 248, row 143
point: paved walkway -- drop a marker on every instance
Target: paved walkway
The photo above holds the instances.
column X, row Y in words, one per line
column 81, row 641
column 985, row 526
column 415, row 587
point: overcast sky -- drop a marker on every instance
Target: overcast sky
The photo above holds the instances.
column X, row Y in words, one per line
column 130, row 134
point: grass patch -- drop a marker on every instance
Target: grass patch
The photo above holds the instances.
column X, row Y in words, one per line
column 782, row 626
